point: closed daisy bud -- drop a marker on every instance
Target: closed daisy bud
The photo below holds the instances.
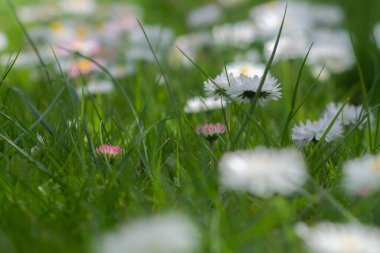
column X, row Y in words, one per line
column 109, row 151
column 211, row 131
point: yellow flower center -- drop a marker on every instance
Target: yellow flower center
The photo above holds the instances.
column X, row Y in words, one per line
column 244, row 71
column 84, row 65
column 81, row 31
column 56, row 27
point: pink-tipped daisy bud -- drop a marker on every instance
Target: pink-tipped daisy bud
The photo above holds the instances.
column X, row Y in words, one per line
column 108, row 150
column 211, row 131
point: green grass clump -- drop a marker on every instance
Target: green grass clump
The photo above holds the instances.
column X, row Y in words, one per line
column 62, row 195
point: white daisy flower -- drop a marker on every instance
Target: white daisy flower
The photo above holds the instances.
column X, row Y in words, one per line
column 204, row 15
column 361, row 176
column 350, row 115
column 244, row 88
column 200, row 104
column 327, row 237
column 217, row 87
column 313, row 131
column 170, row 233
column 263, row 171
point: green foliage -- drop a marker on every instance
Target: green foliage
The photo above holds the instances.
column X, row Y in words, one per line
column 59, row 198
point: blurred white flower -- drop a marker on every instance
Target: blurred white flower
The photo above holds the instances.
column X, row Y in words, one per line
column 24, row 59
column 251, row 55
column 199, row 104
column 376, row 32
column 313, row 131
column 244, row 88
column 289, row 47
column 350, row 114
column 240, row 34
column 169, row 233
column 96, row 87
column 301, row 17
column 78, row 7
column 361, row 176
column 60, row 32
column 3, row 41
column 119, row 71
column 263, row 171
column 138, row 49
column 332, row 49
column 231, row 3
column 204, row 15
column 327, row 237
column 37, row 12
column 246, row 68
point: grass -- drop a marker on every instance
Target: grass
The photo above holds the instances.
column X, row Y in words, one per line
column 60, row 198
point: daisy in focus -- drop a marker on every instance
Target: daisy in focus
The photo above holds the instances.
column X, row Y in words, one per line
column 263, row 171
column 304, row 133
column 108, row 150
column 329, row 237
column 361, row 176
column 244, row 88
column 211, row 131
column 170, row 233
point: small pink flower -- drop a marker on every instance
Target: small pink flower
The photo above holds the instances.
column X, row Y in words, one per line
column 211, row 131
column 108, row 150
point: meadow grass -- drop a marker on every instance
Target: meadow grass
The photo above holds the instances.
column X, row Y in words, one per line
column 61, row 197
